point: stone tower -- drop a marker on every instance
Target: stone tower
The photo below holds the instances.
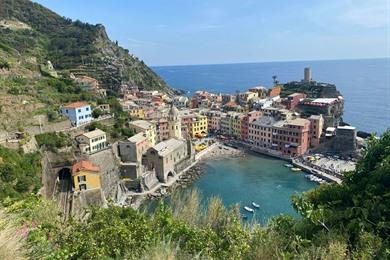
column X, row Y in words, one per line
column 174, row 123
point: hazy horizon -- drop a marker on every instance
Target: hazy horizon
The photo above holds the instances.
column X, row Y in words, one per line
column 276, row 61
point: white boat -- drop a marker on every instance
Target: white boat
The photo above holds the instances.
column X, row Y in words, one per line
column 296, row 169
column 288, row 165
column 249, row 209
column 255, row 205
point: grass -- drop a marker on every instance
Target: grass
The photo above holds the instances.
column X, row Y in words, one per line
column 13, row 245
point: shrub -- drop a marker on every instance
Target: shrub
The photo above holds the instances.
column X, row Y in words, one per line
column 53, row 140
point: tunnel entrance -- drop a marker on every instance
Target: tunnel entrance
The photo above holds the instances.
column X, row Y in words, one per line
column 65, row 180
column 64, row 174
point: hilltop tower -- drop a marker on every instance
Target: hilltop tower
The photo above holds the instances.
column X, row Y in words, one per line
column 307, row 75
column 174, row 123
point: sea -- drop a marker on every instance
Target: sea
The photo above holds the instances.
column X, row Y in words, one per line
column 364, row 83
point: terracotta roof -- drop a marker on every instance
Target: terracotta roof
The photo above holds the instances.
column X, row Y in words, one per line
column 84, row 165
column 76, row 104
column 231, row 104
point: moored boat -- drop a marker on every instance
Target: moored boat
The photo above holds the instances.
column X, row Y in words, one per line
column 295, row 169
column 288, row 165
column 249, row 209
column 255, row 205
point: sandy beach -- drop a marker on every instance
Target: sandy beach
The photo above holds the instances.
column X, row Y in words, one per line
column 222, row 151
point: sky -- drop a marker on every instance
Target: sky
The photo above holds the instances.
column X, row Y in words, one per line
column 183, row 32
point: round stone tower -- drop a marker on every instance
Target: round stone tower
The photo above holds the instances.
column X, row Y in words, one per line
column 174, row 123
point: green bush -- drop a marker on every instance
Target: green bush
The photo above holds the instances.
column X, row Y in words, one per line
column 52, row 141
column 19, row 173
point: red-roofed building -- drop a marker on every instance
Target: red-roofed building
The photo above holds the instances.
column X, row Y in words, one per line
column 86, row 176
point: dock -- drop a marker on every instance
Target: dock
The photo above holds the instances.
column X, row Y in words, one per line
column 316, row 172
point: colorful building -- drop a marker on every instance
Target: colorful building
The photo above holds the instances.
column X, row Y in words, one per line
column 149, row 128
column 79, row 113
column 136, row 113
column 245, row 121
column 260, row 90
column 260, row 132
column 275, row 91
column 291, row 137
column 213, row 119
column 132, row 149
column 162, row 129
column 85, row 176
column 291, row 101
column 92, row 142
column 198, row 127
column 316, row 128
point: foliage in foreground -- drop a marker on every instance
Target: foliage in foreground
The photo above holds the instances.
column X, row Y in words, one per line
column 19, row 173
column 339, row 222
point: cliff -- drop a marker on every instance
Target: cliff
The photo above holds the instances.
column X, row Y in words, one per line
column 32, row 34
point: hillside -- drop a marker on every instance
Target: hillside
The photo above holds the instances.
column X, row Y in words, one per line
column 32, row 34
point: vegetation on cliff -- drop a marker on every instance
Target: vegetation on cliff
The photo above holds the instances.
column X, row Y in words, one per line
column 72, row 46
column 344, row 221
column 19, row 174
column 31, row 35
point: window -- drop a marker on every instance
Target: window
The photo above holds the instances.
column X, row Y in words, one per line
column 79, row 110
column 81, row 178
column 82, row 186
column 87, row 109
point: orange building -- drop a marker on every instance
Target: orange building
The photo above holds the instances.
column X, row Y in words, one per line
column 275, row 91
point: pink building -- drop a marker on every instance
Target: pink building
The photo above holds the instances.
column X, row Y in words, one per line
column 213, row 119
column 186, row 118
column 291, row 137
column 293, row 100
column 162, row 129
column 246, row 120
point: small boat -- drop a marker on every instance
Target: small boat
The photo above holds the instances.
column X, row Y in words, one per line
column 255, row 205
column 288, row 165
column 249, row 209
column 296, row 169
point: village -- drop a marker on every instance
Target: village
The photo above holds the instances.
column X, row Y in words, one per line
column 170, row 134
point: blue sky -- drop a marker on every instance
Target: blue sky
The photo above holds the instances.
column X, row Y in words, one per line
column 177, row 32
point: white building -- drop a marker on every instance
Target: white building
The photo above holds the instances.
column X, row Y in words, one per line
column 92, row 142
column 180, row 101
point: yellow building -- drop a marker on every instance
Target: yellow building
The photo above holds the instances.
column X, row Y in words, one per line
column 137, row 113
column 198, row 126
column 149, row 128
column 86, row 176
column 236, row 124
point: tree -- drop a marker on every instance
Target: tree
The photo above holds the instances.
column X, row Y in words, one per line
column 97, row 112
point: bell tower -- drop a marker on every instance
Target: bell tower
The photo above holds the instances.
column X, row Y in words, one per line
column 174, row 123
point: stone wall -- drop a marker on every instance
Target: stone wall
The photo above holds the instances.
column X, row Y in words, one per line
column 110, row 174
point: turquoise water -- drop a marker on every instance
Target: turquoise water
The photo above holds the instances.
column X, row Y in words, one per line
column 365, row 84
column 261, row 179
